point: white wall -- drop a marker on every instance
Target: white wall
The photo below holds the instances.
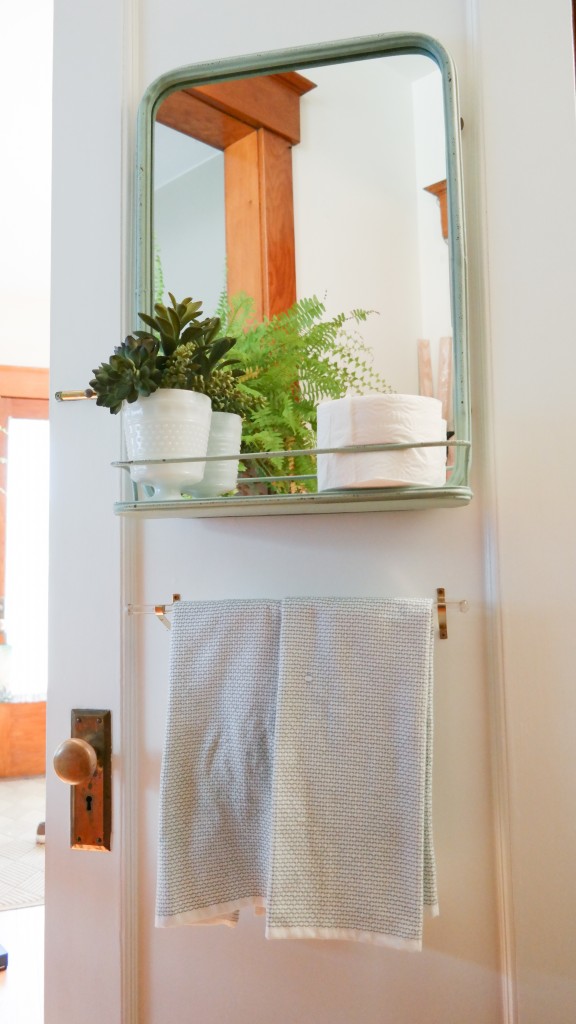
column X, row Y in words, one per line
column 25, row 171
column 436, row 320
column 504, row 694
column 529, row 268
column 355, row 211
column 190, row 233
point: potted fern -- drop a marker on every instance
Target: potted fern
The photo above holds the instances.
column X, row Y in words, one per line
column 319, row 388
column 294, row 361
column 161, row 380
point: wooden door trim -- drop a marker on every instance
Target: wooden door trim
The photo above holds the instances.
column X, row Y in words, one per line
column 24, row 382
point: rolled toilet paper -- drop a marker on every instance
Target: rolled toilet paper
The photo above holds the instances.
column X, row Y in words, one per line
column 381, row 419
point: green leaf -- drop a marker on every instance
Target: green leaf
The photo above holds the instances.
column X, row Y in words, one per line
column 192, row 308
column 166, row 328
column 192, row 311
column 220, row 348
column 148, row 320
column 174, row 322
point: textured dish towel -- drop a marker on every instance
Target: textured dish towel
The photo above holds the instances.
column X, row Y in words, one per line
column 342, row 786
column 352, row 854
column 215, row 786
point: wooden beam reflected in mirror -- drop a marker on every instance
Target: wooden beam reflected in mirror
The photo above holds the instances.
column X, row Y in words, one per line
column 439, row 189
column 255, row 122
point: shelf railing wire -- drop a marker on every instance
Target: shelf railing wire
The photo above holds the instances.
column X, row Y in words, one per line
column 293, row 453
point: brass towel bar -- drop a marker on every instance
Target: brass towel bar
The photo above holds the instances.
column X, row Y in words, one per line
column 161, row 611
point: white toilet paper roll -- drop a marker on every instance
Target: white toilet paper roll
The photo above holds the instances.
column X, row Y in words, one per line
column 381, row 419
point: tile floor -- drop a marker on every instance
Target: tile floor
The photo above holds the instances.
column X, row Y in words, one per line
column 22, row 803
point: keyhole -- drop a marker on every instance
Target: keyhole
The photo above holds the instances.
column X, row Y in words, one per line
column 88, row 803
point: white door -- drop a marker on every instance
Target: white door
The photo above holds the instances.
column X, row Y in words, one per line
column 84, row 917
column 105, row 960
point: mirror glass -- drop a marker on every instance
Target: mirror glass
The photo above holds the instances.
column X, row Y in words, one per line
column 327, row 181
column 189, row 222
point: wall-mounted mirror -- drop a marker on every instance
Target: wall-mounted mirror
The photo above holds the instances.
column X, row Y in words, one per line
column 331, row 171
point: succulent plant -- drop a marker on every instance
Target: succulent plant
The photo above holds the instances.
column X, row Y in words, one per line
column 225, row 385
column 131, row 373
column 174, row 324
column 229, row 393
column 184, row 352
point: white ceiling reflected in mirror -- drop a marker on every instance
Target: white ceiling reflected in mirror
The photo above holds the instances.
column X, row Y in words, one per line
column 329, row 171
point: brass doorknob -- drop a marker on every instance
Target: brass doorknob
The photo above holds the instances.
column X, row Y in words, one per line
column 75, row 761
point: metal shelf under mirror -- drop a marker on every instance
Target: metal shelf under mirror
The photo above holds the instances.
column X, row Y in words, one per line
column 259, row 494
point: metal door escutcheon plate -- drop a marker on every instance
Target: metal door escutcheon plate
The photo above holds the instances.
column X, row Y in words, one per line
column 91, row 799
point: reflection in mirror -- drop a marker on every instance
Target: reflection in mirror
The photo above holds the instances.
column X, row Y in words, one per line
column 189, row 230
column 316, row 183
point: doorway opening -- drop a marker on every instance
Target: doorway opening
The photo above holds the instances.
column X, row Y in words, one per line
column 24, row 456
column 23, row 677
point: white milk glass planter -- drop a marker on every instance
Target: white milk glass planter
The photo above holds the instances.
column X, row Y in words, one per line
column 220, row 477
column 171, row 423
column 381, row 419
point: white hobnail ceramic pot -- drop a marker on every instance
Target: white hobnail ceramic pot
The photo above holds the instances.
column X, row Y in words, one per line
column 381, row 419
column 224, row 439
column 171, row 423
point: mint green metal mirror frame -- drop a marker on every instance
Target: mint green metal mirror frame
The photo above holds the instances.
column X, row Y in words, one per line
column 457, row 490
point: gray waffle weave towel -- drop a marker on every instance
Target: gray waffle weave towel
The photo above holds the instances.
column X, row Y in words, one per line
column 352, row 854
column 324, row 817
column 215, row 786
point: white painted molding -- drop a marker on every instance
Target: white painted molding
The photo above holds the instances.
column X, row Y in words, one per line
column 485, row 442
column 129, row 762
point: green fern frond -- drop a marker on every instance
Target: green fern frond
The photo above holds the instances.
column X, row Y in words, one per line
column 293, row 361
column 158, row 274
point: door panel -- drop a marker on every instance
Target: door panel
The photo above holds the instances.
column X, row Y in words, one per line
column 103, row 952
column 85, row 918
column 211, row 975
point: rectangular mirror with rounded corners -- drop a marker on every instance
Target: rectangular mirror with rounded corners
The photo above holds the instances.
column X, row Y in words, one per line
column 327, row 173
